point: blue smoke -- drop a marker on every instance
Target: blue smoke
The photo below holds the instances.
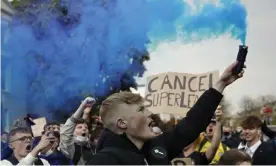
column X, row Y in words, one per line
column 94, row 46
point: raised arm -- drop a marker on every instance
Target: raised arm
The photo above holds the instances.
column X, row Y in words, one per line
column 267, row 131
column 211, row 151
column 199, row 116
column 67, row 145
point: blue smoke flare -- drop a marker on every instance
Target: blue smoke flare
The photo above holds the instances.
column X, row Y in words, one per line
column 96, row 46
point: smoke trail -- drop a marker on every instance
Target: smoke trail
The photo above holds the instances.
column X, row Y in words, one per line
column 97, row 46
column 212, row 20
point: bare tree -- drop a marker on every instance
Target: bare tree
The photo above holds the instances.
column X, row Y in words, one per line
column 226, row 106
column 267, row 100
column 248, row 104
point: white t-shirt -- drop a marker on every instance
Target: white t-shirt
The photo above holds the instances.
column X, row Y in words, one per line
column 28, row 160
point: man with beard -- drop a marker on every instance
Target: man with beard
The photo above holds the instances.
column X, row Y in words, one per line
column 74, row 135
column 20, row 141
column 262, row 153
column 129, row 140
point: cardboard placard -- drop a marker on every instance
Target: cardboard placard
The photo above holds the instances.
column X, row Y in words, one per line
column 37, row 129
column 175, row 93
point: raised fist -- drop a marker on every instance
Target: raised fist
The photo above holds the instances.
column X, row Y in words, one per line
column 219, row 114
column 89, row 102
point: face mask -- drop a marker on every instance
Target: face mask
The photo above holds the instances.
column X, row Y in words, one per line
column 81, row 140
column 49, row 152
column 156, row 130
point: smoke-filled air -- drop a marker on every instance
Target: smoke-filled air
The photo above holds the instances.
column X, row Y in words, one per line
column 72, row 48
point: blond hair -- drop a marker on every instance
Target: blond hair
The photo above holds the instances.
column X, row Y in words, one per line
column 108, row 107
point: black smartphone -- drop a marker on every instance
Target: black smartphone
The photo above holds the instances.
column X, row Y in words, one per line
column 241, row 57
column 51, row 134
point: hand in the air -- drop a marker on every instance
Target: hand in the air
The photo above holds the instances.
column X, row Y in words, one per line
column 228, row 77
column 87, row 104
column 219, row 115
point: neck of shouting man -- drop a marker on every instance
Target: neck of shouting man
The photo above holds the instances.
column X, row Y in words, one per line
column 17, row 156
column 138, row 143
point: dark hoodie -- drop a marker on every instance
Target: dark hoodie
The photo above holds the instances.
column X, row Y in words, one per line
column 114, row 149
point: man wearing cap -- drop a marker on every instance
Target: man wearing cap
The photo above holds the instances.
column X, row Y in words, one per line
column 206, row 142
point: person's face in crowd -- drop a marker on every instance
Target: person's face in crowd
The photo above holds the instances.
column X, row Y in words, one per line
column 252, row 134
column 53, row 128
column 21, row 144
column 227, row 131
column 48, row 128
column 4, row 137
column 81, row 130
column 56, row 128
column 136, row 121
column 239, row 129
column 242, row 135
column 211, row 128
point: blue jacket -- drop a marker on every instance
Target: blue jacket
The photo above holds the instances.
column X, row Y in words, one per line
column 57, row 158
column 6, row 151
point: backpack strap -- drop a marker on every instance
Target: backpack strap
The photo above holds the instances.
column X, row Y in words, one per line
column 202, row 143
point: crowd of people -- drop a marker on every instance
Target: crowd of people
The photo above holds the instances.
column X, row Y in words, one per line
column 127, row 133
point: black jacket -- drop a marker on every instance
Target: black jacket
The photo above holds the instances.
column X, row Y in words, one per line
column 268, row 132
column 231, row 142
column 116, row 149
column 265, row 154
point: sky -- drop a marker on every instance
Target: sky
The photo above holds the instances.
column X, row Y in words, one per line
column 259, row 78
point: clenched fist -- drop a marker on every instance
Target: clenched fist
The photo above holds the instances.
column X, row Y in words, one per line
column 219, row 115
column 87, row 104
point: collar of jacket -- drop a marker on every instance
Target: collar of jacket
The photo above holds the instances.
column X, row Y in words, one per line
column 112, row 140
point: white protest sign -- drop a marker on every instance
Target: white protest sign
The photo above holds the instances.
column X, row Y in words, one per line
column 175, row 93
column 37, row 129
